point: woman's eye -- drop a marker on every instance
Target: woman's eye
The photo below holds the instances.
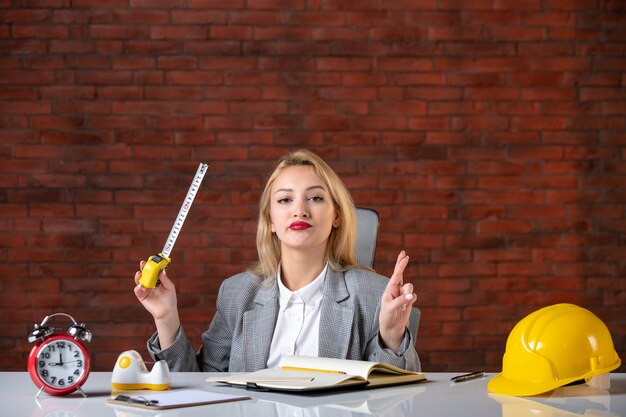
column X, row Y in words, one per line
column 316, row 198
column 283, row 200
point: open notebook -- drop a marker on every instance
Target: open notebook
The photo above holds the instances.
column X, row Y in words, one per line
column 307, row 373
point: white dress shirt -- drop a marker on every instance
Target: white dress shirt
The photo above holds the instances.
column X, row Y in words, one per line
column 298, row 323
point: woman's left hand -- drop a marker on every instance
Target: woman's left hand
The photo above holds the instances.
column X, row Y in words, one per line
column 396, row 306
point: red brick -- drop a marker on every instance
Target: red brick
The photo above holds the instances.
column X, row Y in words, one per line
column 192, row 17
column 473, row 242
column 119, row 31
column 316, row 19
column 277, row 4
column 405, row 64
column 20, row 107
column 417, row 78
column 429, row 17
column 356, row 93
column 451, row 255
column 448, row 343
column 193, row 78
column 442, row 314
column 40, row 31
column 48, row 62
column 26, row 15
column 516, row 34
column 498, row 227
column 467, row 270
column 423, row 241
column 480, row 123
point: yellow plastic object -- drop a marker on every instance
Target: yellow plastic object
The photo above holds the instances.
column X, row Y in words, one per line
column 130, row 373
column 139, row 386
column 124, row 362
column 152, row 268
column 552, row 347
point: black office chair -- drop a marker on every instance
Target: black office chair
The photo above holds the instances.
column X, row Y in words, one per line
column 367, row 222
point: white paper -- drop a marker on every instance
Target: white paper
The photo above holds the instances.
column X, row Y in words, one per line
column 187, row 397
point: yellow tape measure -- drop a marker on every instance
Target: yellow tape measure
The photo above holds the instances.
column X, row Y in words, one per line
column 157, row 263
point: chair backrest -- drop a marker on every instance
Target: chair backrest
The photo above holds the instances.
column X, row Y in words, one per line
column 414, row 322
column 366, row 235
column 367, row 222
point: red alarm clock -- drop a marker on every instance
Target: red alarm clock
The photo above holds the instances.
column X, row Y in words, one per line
column 59, row 363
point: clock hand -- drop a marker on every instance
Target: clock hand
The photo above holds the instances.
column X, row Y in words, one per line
column 60, row 362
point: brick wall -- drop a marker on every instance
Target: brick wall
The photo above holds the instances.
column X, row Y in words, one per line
column 489, row 134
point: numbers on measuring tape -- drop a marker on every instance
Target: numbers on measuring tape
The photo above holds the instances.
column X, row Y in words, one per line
column 184, row 210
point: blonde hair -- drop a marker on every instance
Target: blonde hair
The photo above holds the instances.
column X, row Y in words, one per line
column 340, row 246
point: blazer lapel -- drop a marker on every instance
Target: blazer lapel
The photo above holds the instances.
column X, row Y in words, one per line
column 258, row 328
column 336, row 317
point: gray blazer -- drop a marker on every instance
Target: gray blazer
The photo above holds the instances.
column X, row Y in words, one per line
column 240, row 335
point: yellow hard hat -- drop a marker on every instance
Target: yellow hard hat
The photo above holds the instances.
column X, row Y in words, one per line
column 552, row 347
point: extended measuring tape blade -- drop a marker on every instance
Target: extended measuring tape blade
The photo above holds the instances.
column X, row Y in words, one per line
column 184, row 209
column 156, row 263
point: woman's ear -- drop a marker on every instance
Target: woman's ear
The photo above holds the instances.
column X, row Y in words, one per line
column 336, row 220
column 271, row 223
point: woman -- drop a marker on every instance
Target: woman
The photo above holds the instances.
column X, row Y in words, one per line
column 305, row 296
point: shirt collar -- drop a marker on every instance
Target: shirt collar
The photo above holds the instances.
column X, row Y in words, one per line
column 311, row 294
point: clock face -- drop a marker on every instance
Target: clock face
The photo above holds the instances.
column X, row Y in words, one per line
column 60, row 364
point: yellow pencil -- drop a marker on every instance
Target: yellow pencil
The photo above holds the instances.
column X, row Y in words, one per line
column 295, row 368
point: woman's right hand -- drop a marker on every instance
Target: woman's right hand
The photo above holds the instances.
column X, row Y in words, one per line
column 161, row 303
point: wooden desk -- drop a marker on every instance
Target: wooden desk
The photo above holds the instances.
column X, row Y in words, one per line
column 438, row 397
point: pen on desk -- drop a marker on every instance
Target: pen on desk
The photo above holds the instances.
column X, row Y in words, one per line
column 295, row 368
column 136, row 400
column 467, row 377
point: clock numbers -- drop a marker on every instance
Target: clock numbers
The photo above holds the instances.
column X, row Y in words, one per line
column 61, row 363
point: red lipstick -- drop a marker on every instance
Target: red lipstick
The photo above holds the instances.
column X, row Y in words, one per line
column 299, row 225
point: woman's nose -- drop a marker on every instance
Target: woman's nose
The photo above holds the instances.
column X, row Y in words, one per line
column 301, row 210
